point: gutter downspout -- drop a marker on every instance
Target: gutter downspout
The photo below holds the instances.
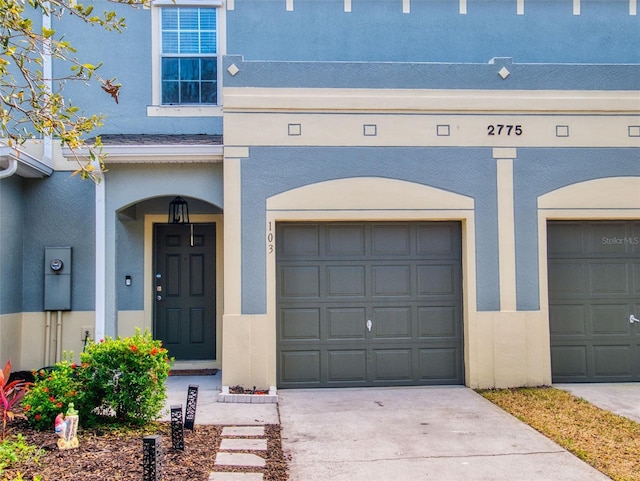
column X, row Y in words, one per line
column 47, row 74
column 47, row 155
column 9, row 171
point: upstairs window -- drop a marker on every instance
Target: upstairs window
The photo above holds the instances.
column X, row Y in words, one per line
column 189, row 56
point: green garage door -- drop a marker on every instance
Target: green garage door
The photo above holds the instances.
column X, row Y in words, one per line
column 369, row 304
column 594, row 299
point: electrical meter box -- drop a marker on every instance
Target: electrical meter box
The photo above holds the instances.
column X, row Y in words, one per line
column 57, row 278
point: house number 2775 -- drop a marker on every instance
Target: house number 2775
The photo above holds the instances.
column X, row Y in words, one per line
column 270, row 238
column 500, row 129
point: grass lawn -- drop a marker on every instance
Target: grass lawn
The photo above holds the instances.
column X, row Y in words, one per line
column 608, row 442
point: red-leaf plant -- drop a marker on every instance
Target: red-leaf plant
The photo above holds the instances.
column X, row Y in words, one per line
column 11, row 394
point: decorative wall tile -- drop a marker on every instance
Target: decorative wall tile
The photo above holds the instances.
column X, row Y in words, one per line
column 370, row 130
column 443, row 130
column 295, row 129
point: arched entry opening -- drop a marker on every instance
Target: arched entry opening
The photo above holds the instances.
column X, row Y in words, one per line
column 180, row 265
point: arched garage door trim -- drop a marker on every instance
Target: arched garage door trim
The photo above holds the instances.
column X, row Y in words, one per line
column 371, row 199
column 606, row 202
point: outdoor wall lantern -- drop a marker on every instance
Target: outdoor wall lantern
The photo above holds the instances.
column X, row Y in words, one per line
column 178, row 211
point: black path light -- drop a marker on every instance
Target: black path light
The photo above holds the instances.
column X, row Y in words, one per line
column 178, row 211
column 152, row 458
column 192, row 401
column 177, row 429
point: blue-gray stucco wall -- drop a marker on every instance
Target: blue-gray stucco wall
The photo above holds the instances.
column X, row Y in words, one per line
column 435, row 31
column 127, row 57
column 269, row 171
column 539, row 171
column 467, row 171
column 11, row 236
column 387, row 75
column 59, row 211
column 129, row 262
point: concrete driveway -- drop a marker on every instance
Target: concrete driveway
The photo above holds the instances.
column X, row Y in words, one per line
column 416, row 433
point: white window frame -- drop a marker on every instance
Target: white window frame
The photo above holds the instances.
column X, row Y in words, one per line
column 159, row 110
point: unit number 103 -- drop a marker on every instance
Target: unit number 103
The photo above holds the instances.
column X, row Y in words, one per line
column 500, row 129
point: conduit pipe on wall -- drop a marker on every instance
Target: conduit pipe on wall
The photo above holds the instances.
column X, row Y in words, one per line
column 59, row 336
column 47, row 338
column 50, row 340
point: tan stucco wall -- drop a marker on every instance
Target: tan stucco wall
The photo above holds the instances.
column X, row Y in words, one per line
column 329, row 117
column 128, row 321
column 10, row 340
column 34, row 336
column 508, row 349
column 248, row 351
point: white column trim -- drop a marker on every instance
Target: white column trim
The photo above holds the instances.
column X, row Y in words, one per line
column 576, row 7
column 520, row 7
column 101, row 260
column 506, row 228
column 406, row 6
column 633, row 7
column 347, row 6
column 463, row 7
column 232, row 235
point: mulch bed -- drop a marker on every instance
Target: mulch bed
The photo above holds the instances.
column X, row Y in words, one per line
column 117, row 455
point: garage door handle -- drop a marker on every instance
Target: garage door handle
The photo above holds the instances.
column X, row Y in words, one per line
column 633, row 319
column 369, row 324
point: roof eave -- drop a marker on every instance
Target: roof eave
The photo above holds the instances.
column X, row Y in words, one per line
column 156, row 154
column 28, row 166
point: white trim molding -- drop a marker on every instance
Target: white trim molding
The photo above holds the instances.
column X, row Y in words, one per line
column 159, row 110
column 101, row 258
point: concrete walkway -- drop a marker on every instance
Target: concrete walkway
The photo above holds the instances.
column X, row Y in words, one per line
column 243, row 425
column 209, row 410
column 438, row 433
column 619, row 398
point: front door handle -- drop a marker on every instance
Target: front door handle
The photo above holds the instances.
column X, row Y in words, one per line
column 369, row 324
column 633, row 319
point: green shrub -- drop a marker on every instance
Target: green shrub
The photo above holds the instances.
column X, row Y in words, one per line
column 125, row 377
column 51, row 394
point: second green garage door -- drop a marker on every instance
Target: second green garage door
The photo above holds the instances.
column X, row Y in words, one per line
column 594, row 300
column 369, row 304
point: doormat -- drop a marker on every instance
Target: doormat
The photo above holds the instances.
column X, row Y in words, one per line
column 194, row 372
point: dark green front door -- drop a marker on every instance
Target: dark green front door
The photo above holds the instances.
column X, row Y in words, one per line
column 185, row 289
column 369, row 304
